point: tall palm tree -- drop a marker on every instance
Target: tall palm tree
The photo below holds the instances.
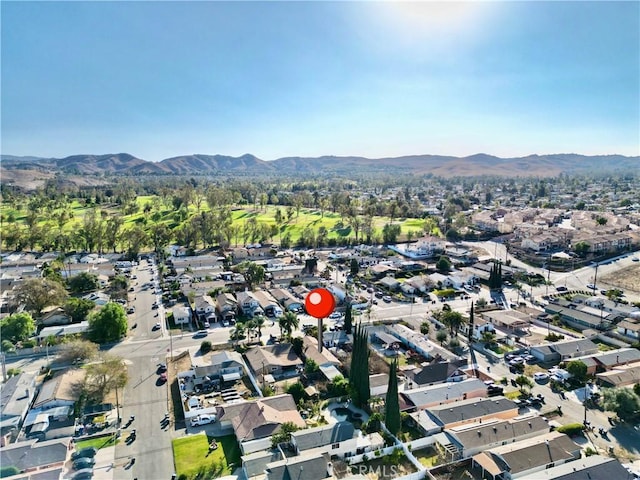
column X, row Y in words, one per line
column 237, row 333
column 259, row 324
column 252, row 327
column 288, row 323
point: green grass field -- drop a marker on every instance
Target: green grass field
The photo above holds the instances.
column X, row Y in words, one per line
column 191, row 455
column 100, row 442
column 336, row 227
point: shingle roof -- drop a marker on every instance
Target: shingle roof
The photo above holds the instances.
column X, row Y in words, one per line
column 593, row 467
column 443, row 392
column 434, row 373
column 469, row 409
column 314, row 468
column 281, row 355
column 32, row 454
column 262, row 417
column 485, row 434
column 324, row 435
column 534, row 452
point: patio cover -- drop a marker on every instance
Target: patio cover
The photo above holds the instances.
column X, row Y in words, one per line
column 227, row 377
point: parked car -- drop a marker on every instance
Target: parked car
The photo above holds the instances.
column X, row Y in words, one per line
column 516, row 361
column 386, row 299
column 84, row 474
column 561, row 289
column 530, row 359
column 88, row 452
column 540, row 376
column 156, row 327
column 335, row 315
column 84, row 463
column 202, row 420
column 591, row 286
column 131, row 310
column 162, row 368
column 162, row 377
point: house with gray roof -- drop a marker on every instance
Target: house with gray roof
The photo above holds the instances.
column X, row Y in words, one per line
column 32, row 455
column 307, row 468
column 593, row 467
column 436, row 372
column 442, row 394
column 255, row 464
column 564, row 350
column 321, row 436
column 472, row 410
column 578, row 318
column 470, row 439
column 525, row 457
column 224, row 366
column 620, row 376
column 15, row 397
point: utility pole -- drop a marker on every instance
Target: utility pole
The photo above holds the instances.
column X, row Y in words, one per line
column 595, row 277
column 117, row 408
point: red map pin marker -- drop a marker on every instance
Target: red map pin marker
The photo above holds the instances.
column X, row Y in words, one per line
column 320, row 303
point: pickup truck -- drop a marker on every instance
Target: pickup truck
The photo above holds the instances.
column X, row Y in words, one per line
column 202, row 420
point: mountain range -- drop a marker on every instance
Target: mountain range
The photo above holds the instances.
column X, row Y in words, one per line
column 197, row 164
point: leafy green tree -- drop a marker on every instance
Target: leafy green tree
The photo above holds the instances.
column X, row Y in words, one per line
column 338, row 387
column 82, row 350
column 441, row 336
column 581, row 248
column 424, row 328
column 38, row 293
column 523, row 382
column 623, row 401
column 205, row 347
column 443, row 265
column 392, row 405
column 296, row 390
column 78, row 308
column 104, row 376
column 453, row 320
column 17, row 327
column 109, row 324
column 297, row 345
column 310, row 366
column 84, row 282
column 253, row 273
column 390, row 233
column 7, row 346
column 578, row 369
column 284, row 434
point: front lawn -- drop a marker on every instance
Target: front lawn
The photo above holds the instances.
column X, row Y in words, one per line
column 99, row 442
column 192, row 457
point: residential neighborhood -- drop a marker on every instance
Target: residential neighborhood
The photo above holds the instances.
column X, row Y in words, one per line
column 247, row 369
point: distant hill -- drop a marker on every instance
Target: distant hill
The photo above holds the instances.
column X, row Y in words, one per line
column 445, row 166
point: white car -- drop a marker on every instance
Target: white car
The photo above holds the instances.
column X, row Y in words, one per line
column 335, row 315
column 540, row 376
column 202, row 420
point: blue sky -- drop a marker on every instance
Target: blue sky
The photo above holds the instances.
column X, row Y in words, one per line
column 159, row 79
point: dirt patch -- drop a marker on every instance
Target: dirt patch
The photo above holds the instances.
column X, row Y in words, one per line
column 627, row 278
